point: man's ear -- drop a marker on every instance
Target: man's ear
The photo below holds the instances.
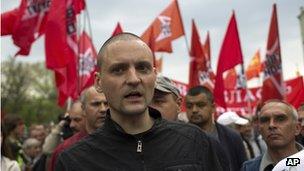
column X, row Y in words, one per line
column 97, row 82
column 298, row 128
column 179, row 103
column 155, row 71
column 213, row 107
column 83, row 108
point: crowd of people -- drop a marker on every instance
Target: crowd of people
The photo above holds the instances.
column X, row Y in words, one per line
column 131, row 119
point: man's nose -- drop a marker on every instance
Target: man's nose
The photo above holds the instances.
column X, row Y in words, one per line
column 194, row 109
column 103, row 108
column 272, row 123
column 132, row 77
column 72, row 124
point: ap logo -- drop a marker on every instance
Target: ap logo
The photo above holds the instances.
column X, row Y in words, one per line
column 292, row 161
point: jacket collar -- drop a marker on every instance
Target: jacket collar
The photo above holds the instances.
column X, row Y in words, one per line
column 113, row 127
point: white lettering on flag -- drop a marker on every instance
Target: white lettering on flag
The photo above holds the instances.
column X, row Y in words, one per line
column 87, row 63
column 165, row 28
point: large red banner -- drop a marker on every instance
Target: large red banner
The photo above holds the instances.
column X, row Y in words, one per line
column 238, row 100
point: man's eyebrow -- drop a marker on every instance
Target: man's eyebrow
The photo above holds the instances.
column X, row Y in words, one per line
column 118, row 65
column 96, row 101
column 143, row 63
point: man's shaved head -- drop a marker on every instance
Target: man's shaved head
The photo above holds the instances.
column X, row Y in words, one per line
column 119, row 37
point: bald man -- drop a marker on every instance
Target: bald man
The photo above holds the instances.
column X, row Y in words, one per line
column 134, row 136
column 76, row 115
column 279, row 126
column 94, row 106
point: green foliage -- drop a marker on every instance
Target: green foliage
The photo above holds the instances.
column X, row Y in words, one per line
column 27, row 89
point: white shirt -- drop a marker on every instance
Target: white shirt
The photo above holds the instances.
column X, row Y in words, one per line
column 9, row 165
column 281, row 166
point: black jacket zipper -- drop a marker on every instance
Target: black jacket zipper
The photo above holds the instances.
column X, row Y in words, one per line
column 139, row 150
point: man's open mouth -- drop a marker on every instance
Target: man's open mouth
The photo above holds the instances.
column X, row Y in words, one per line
column 133, row 95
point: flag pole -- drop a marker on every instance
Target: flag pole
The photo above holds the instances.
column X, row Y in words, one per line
column 89, row 23
column 246, row 89
column 78, row 52
column 181, row 17
column 69, row 104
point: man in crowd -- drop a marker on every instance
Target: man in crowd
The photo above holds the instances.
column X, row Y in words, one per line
column 253, row 148
column 73, row 118
column 166, row 99
column 94, row 106
column 31, row 153
column 77, row 123
column 38, row 131
column 134, row 136
column 278, row 126
column 200, row 108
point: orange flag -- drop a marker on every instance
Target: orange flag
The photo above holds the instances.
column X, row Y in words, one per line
column 167, row 27
column 273, row 86
column 254, row 67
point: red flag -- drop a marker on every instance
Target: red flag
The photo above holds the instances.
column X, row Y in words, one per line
column 8, row 21
column 199, row 71
column 87, row 62
column 167, row 27
column 206, row 48
column 66, row 82
column 273, row 86
column 61, row 46
column 230, row 56
column 25, row 23
column 237, row 99
column 254, row 68
column 117, row 30
column 198, row 59
column 60, row 36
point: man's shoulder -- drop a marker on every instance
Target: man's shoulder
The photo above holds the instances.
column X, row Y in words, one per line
column 79, row 143
column 181, row 127
column 252, row 165
column 73, row 139
column 227, row 131
column 186, row 130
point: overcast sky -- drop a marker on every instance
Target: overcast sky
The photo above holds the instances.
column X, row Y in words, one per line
column 253, row 19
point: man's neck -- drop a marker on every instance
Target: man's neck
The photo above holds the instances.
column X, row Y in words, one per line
column 279, row 154
column 89, row 129
column 208, row 127
column 133, row 124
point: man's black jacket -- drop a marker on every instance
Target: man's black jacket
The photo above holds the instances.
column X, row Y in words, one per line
column 232, row 143
column 166, row 146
